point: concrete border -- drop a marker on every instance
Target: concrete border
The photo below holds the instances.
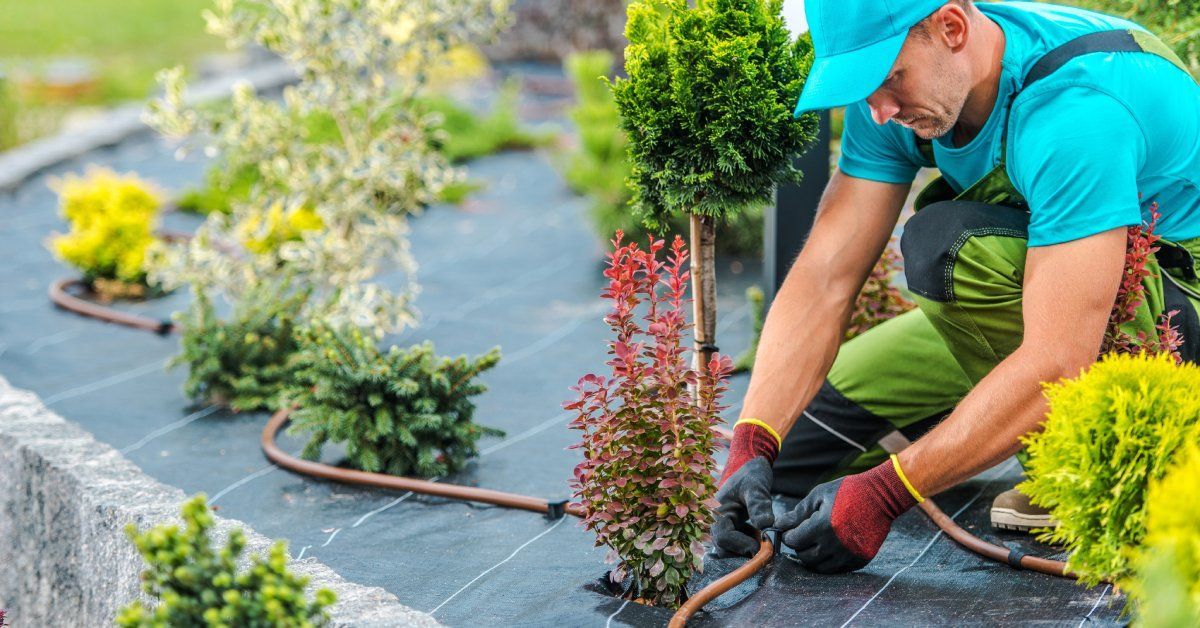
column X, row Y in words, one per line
column 24, row 161
column 65, row 499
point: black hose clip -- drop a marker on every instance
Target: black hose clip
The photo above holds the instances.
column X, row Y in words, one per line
column 774, row 536
column 164, row 327
column 708, row 346
column 556, row 510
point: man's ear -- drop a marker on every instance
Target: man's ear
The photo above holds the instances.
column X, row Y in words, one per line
column 951, row 25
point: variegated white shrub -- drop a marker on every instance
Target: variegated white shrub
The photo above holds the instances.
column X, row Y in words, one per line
column 360, row 64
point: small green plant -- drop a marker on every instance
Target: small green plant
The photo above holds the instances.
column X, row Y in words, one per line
column 404, row 412
column 1108, row 434
column 242, row 362
column 646, row 483
column 112, row 219
column 467, row 136
column 1167, row 584
column 197, row 584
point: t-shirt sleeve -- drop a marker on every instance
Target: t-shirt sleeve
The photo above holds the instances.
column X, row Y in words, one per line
column 886, row 153
column 1075, row 154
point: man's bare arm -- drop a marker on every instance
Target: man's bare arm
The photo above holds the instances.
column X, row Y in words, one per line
column 1069, row 293
column 806, row 322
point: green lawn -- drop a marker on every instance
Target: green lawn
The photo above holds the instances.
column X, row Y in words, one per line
column 128, row 40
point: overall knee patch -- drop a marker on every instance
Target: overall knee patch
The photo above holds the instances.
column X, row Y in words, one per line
column 934, row 237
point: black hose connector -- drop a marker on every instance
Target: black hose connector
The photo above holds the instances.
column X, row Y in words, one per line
column 556, row 510
column 775, row 537
column 1014, row 558
column 165, row 327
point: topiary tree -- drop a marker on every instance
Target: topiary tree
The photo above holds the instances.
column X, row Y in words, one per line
column 1108, row 434
column 646, row 482
column 404, row 412
column 1167, row 584
column 197, row 584
column 707, row 106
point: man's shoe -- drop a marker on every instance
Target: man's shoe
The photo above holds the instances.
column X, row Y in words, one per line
column 1011, row 510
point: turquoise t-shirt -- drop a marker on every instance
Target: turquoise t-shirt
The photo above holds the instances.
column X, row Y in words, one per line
column 1091, row 147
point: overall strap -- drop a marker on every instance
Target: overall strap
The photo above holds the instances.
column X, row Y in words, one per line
column 1101, row 41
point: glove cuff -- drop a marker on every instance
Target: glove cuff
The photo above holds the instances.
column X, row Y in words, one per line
column 751, row 438
column 884, row 486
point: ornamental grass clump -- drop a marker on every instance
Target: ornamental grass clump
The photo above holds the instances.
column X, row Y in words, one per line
column 243, row 361
column 404, row 412
column 707, row 107
column 1108, row 434
column 197, row 584
column 1167, row 585
column 646, row 482
column 112, row 219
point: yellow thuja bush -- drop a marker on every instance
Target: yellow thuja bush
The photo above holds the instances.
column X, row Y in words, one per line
column 112, row 219
column 1108, row 434
column 264, row 234
column 1167, row 585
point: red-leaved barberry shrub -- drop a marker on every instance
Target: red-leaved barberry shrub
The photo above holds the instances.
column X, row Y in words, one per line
column 646, row 482
column 879, row 299
column 1140, row 245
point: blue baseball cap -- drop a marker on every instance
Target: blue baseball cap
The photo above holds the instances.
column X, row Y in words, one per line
column 856, row 43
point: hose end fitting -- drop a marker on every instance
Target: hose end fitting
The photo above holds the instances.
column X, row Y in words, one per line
column 773, row 536
column 556, row 510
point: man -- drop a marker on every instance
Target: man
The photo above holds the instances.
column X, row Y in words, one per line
column 1054, row 130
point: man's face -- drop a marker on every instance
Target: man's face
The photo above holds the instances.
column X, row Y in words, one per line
column 925, row 90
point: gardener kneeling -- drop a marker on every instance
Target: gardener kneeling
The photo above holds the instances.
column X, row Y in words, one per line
column 1054, row 129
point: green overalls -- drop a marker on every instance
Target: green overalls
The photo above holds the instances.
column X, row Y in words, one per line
column 964, row 258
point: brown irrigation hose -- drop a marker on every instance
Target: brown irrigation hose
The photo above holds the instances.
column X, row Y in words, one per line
column 382, row 480
column 60, row 295
column 709, row 593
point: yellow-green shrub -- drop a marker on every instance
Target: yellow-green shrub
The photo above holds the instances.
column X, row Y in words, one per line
column 1108, row 434
column 1167, row 585
column 112, row 219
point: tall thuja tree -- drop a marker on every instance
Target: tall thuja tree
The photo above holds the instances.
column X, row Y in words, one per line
column 708, row 107
column 360, row 66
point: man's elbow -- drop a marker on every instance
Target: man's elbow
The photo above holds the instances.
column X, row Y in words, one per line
column 1057, row 360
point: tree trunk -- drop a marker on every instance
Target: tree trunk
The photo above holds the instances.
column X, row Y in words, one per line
column 704, row 289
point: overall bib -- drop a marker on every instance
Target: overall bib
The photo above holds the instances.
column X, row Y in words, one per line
column 964, row 259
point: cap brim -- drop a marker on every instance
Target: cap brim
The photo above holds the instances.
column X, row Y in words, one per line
column 849, row 77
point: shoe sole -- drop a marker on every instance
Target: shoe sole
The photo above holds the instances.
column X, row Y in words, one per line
column 1009, row 519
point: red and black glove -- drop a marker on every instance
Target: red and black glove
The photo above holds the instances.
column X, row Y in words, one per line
column 744, row 490
column 840, row 525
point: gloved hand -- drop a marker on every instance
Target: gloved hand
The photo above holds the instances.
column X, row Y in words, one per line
column 840, row 525
column 745, row 490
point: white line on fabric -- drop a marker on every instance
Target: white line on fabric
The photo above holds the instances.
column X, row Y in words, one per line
column 541, row 427
column 833, row 431
column 46, row 341
column 330, row 539
column 493, row 567
column 249, row 478
column 302, row 550
column 608, row 624
column 1096, row 605
column 166, row 429
column 546, row 341
column 380, row 509
column 106, row 382
column 926, row 549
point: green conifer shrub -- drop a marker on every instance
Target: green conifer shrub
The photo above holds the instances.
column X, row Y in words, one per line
column 404, row 412
column 1167, row 584
column 242, row 362
column 1108, row 434
column 197, row 584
